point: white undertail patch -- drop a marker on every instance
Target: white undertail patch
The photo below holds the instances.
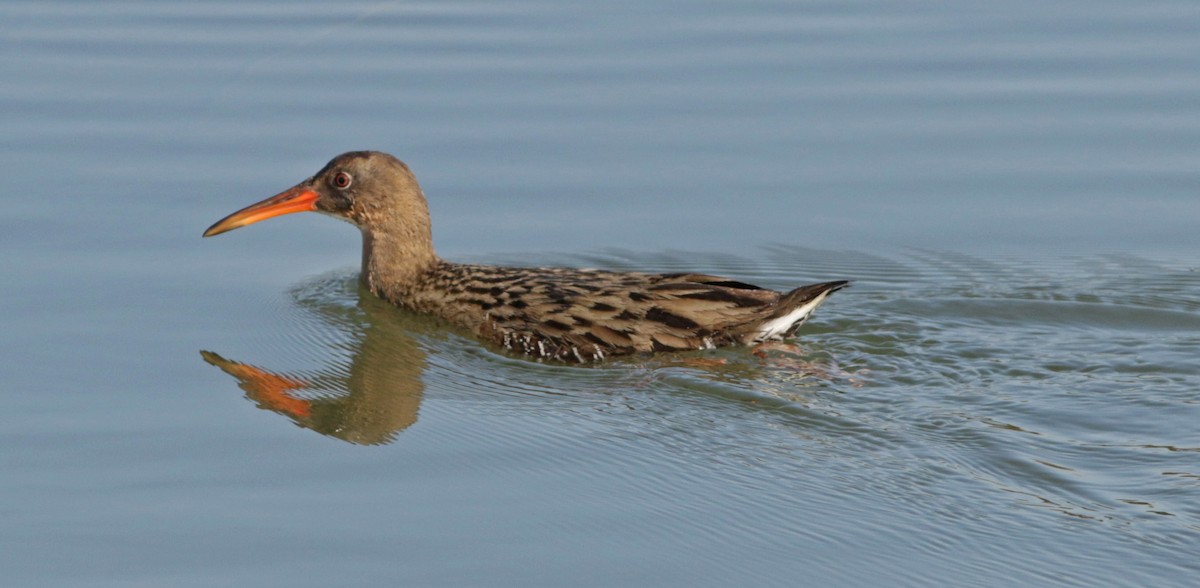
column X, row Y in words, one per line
column 775, row 328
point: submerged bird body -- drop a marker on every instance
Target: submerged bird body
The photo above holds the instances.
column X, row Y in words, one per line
column 571, row 315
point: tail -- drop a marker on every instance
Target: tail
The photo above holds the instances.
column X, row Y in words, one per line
column 793, row 309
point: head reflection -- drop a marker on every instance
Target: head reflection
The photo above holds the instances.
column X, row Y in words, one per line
column 367, row 402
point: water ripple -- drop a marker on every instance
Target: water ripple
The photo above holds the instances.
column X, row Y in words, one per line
column 946, row 386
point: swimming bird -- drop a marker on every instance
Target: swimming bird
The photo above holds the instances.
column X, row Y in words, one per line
column 572, row 315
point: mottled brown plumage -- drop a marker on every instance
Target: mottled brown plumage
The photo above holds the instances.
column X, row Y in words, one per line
column 565, row 314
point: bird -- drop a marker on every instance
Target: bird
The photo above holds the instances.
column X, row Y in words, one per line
column 564, row 314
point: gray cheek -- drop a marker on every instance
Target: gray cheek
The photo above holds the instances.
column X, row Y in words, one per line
column 334, row 203
column 340, row 216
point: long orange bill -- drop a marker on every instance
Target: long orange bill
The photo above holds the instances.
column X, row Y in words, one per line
column 298, row 199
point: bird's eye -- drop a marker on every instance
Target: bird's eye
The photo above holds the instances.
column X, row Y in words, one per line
column 342, row 180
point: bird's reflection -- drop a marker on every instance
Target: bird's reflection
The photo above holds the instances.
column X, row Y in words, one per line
column 367, row 402
column 375, row 393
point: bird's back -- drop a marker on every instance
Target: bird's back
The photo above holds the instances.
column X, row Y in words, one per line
column 585, row 315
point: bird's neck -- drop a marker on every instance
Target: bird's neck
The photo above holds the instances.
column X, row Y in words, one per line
column 394, row 262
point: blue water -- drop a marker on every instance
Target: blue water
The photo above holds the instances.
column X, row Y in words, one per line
column 1008, row 395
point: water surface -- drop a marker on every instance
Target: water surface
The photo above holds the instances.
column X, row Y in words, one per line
column 1008, row 394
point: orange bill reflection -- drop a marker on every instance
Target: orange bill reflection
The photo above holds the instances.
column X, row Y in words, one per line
column 368, row 400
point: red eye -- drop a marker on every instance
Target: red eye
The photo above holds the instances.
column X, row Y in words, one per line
column 342, row 180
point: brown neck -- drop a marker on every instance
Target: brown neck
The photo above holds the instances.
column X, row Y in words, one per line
column 392, row 263
column 390, row 209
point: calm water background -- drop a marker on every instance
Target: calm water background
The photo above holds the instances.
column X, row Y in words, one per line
column 1010, row 394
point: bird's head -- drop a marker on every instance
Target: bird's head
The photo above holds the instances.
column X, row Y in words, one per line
column 370, row 189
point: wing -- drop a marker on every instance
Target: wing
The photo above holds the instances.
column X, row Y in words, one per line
column 577, row 315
